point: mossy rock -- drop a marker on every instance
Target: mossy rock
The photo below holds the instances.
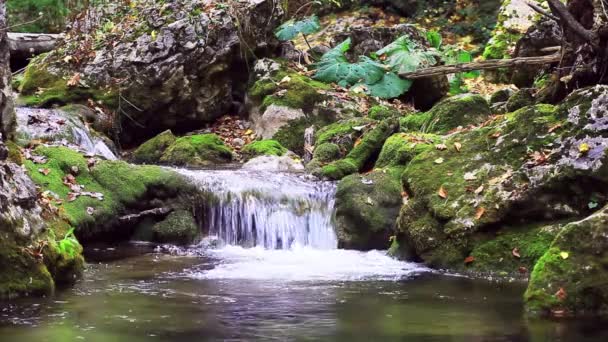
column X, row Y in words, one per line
column 456, row 111
column 327, row 152
column 122, row 185
column 152, row 150
column 383, row 112
column 400, row 148
column 366, row 209
column 197, row 150
column 571, row 278
column 414, row 122
column 522, row 98
column 369, row 146
column 263, row 148
column 42, row 88
column 14, row 153
column 502, row 95
column 178, row 228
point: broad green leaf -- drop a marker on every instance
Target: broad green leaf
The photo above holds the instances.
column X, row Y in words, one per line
column 403, row 55
column 335, row 67
column 434, row 39
column 290, row 29
column 389, row 87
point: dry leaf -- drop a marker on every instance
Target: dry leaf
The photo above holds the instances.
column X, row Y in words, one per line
column 479, row 213
column 439, row 161
column 479, row 190
column 564, row 255
column 457, row 146
column 469, row 176
column 441, row 147
column 523, row 270
column 496, row 135
column 561, row 294
column 515, row 252
column 469, row 259
column 554, row 127
column 442, row 193
column 44, row 171
column 74, row 80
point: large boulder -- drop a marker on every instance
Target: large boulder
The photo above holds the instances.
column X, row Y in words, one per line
column 164, row 65
column 539, row 164
column 190, row 150
column 572, row 276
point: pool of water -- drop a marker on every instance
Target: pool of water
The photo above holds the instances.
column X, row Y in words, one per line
column 134, row 294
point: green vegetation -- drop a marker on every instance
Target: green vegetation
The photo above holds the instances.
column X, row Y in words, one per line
column 152, row 150
column 193, row 150
column 264, row 148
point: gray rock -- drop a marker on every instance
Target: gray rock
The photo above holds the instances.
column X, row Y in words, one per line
column 273, row 119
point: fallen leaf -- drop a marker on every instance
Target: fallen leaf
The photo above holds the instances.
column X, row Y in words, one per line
column 441, row 147
column 90, row 210
column 74, row 80
column 584, row 148
column 561, row 294
column 564, row 255
column 554, row 127
column 369, row 201
column 523, row 270
column 495, row 135
column 469, row 259
column 439, row 161
column 515, row 252
column 442, row 193
column 44, row 171
column 479, row 213
column 457, row 146
column 469, row 176
column 72, row 196
column 357, row 142
column 285, row 79
column 479, row 190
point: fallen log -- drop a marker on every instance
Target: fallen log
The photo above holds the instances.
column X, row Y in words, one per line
column 27, row 45
column 156, row 212
column 483, row 65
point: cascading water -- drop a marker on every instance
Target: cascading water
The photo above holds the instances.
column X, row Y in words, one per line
column 269, row 210
column 279, row 226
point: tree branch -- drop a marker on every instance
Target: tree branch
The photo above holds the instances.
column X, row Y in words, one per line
column 560, row 10
column 484, row 65
column 541, row 11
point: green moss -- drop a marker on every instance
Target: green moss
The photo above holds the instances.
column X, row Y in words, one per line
column 121, row 184
column 291, row 136
column 327, row 152
column 152, row 150
column 502, row 95
column 520, row 99
column 400, row 148
column 178, row 228
column 288, row 89
column 264, row 148
column 42, row 88
column 202, row 149
column 369, row 147
column 382, row 112
column 414, row 122
column 14, row 153
column 341, row 130
column 460, row 110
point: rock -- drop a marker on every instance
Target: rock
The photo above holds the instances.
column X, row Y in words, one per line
column 184, row 66
column 274, row 163
column 401, row 148
column 327, row 152
column 179, row 228
column 426, row 92
column 263, row 148
column 453, row 112
column 572, row 276
column 382, row 112
column 502, row 95
column 197, row 150
column 544, row 34
column 152, row 150
column 533, row 165
column 366, row 209
column 370, row 145
column 238, row 142
column 274, row 118
column 522, row 98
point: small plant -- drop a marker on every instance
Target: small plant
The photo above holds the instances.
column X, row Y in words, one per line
column 67, row 246
column 290, row 29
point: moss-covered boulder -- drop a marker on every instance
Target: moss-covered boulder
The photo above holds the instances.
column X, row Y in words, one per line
column 572, row 275
column 453, row 112
column 502, row 95
column 399, row 149
column 152, row 150
column 521, row 98
column 263, row 148
column 382, row 112
column 92, row 198
column 366, row 209
column 197, row 150
column 540, row 163
column 364, row 152
column 178, row 228
column 327, row 152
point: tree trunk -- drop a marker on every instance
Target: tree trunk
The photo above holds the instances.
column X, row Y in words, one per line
column 584, row 59
column 7, row 113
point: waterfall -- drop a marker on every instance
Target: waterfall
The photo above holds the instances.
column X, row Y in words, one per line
column 267, row 209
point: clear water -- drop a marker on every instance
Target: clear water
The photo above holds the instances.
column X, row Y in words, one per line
column 159, row 297
column 277, row 276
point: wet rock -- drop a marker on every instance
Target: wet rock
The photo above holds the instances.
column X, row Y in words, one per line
column 366, row 209
column 179, row 228
column 274, row 118
column 286, row 163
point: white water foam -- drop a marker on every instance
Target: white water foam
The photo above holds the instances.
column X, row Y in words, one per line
column 306, row 264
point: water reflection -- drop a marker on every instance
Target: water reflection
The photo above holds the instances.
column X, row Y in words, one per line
column 153, row 298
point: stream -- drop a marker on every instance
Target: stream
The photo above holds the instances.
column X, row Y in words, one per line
column 270, row 270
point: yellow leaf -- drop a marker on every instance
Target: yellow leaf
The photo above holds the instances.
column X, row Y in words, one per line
column 153, row 34
column 479, row 213
column 442, row 193
column 457, row 146
column 583, row 148
column 564, row 255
